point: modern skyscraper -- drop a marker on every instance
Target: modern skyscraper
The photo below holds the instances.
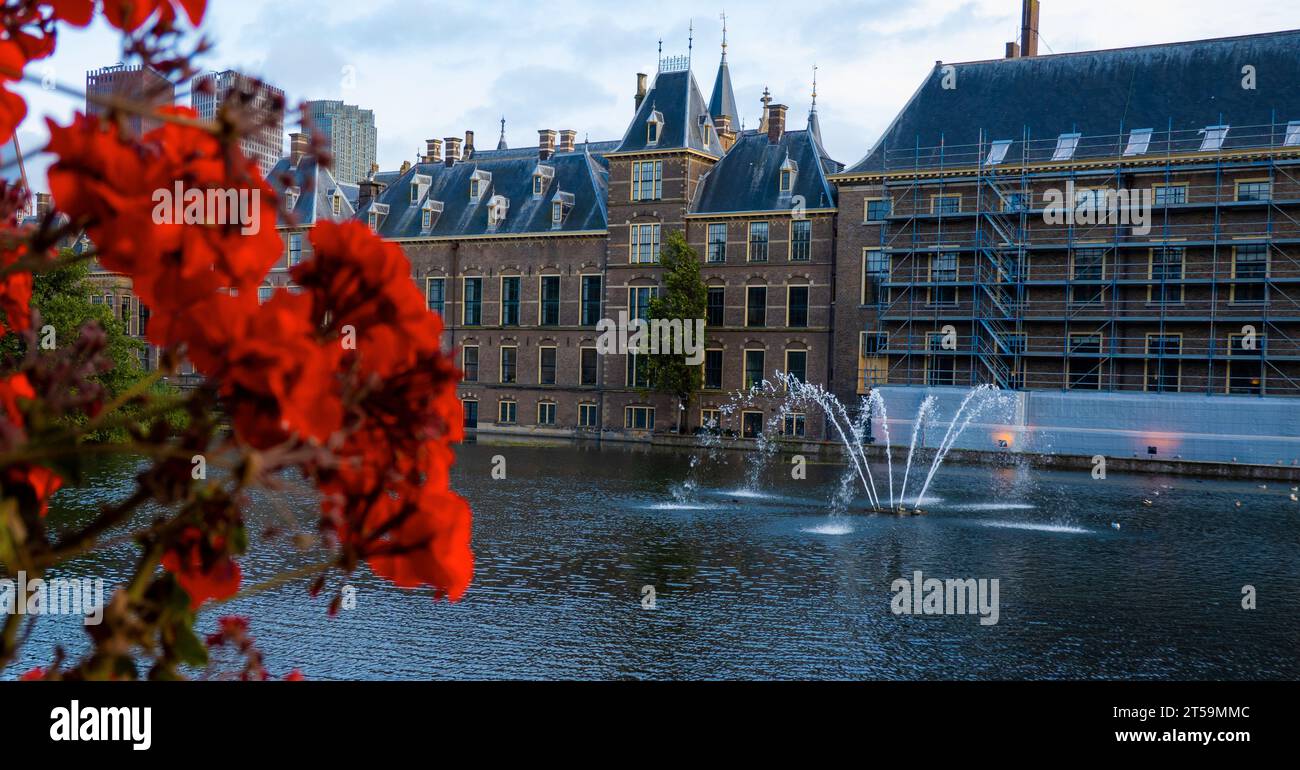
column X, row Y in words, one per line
column 351, row 134
column 266, row 144
column 133, row 84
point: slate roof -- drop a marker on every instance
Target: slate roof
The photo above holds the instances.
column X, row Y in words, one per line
column 723, row 101
column 315, row 186
column 582, row 173
column 748, row 178
column 1176, row 89
column 677, row 97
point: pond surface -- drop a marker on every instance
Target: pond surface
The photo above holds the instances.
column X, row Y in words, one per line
column 754, row 577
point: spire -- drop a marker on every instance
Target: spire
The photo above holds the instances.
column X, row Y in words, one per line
column 814, row 125
column 767, row 101
column 723, row 101
column 501, row 143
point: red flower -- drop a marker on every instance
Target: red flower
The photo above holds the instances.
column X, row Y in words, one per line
column 12, row 388
column 202, row 567
column 15, row 293
column 75, row 12
column 12, row 107
column 34, row 675
column 294, row 676
column 129, row 15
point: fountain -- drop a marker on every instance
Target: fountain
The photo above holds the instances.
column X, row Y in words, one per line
column 796, row 395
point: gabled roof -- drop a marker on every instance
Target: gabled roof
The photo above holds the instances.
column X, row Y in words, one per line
column 723, row 101
column 581, row 173
column 315, row 187
column 748, row 178
column 676, row 97
column 1176, row 89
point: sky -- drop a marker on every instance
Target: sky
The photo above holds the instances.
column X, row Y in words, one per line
column 432, row 69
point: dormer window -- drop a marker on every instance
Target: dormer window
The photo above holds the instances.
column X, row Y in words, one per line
column 654, row 126
column 336, row 202
column 560, row 207
column 789, row 172
column 429, row 213
column 1214, row 136
column 1292, row 134
column 1066, row 144
column 1139, row 141
column 542, row 176
column 998, row 152
column 479, row 181
column 376, row 216
column 291, row 195
column 420, row 184
column 498, row 206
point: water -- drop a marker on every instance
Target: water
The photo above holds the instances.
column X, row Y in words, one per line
column 769, row 585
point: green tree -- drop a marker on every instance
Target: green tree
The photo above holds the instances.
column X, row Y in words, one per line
column 63, row 296
column 685, row 298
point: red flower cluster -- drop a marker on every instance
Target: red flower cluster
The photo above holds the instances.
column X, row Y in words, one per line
column 354, row 361
column 23, row 481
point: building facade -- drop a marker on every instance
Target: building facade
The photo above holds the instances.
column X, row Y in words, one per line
column 967, row 247
column 352, row 137
column 265, row 144
column 138, row 86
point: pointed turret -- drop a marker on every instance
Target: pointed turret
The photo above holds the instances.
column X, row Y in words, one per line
column 501, row 143
column 724, row 98
column 815, row 125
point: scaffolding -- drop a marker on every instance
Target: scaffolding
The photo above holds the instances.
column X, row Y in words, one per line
column 1184, row 279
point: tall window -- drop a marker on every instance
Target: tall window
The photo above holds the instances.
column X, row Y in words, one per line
column 1084, row 365
column 713, row 370
column 550, row 300
column 470, row 407
column 589, row 371
column 546, row 366
column 714, row 309
column 1163, row 366
column 509, row 361
column 263, row 296
column 1245, row 364
column 756, row 306
column 546, row 413
column 507, row 412
column 878, row 209
column 510, row 301
column 1170, row 194
column 588, row 416
column 469, row 362
column 435, row 293
column 1256, row 190
column 638, row 301
column 591, row 291
column 753, row 368
column 144, row 320
column 718, row 242
column 796, row 309
column 800, row 240
column 1250, row 263
column 875, row 273
column 645, row 244
column 1088, row 265
column 1166, row 275
column 945, row 204
column 647, row 180
column 940, row 365
column 295, row 248
column 473, row 302
column 943, row 269
column 796, row 364
column 757, row 242
column 638, row 371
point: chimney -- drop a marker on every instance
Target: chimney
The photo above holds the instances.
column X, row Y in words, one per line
column 298, row 145
column 726, row 134
column 568, row 140
column 775, row 123
column 453, row 149
column 641, row 79
column 545, row 143
column 432, row 151
column 43, row 204
column 1013, row 50
column 367, row 191
column 1029, row 28
column 469, row 145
